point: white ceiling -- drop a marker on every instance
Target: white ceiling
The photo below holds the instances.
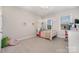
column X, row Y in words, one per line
column 48, row 10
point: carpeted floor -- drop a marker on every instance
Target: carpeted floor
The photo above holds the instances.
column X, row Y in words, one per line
column 38, row 45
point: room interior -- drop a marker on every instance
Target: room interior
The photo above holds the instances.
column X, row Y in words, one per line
column 39, row 29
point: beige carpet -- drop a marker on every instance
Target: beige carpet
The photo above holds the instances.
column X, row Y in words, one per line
column 38, row 45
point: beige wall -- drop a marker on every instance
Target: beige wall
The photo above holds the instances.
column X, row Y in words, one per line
column 0, row 26
column 0, row 18
column 14, row 19
column 13, row 23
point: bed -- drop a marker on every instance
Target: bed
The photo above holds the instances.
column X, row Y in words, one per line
column 48, row 34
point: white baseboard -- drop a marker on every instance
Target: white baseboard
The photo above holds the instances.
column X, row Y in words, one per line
column 26, row 37
column 61, row 36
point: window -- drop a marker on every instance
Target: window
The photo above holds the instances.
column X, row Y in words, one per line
column 49, row 23
column 65, row 22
